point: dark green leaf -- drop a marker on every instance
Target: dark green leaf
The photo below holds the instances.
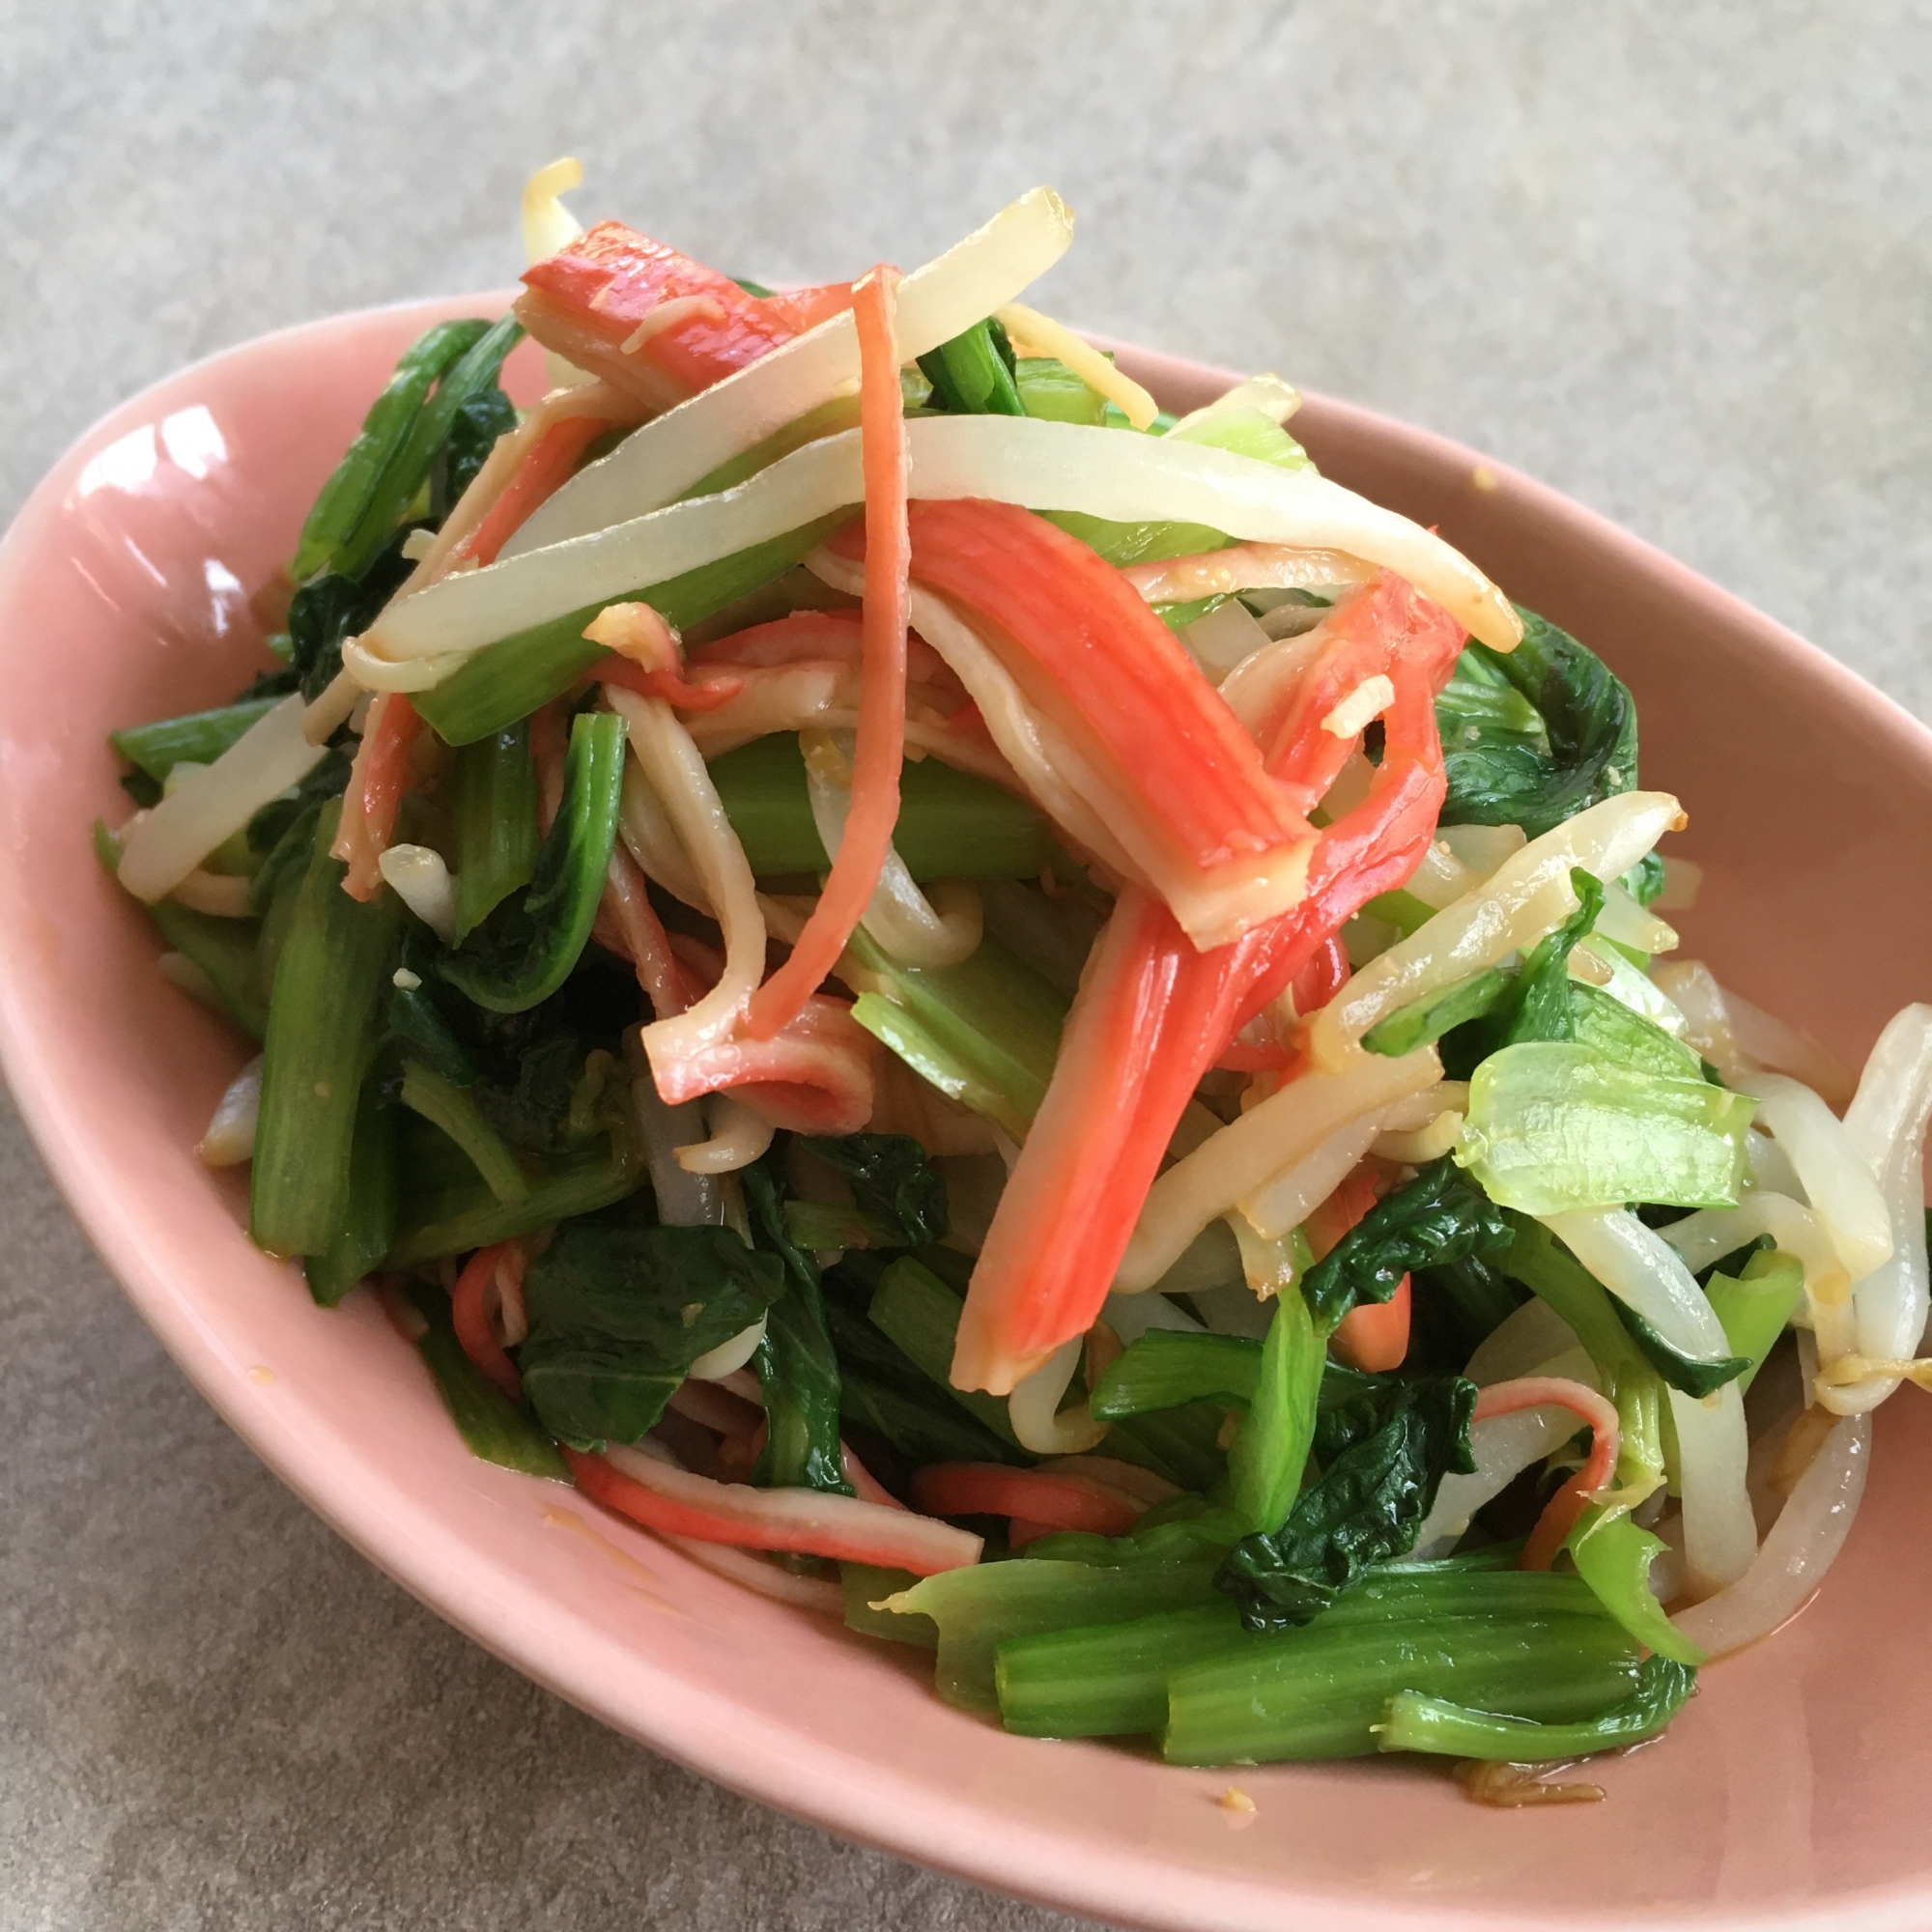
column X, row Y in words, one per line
column 798, row 1368
column 1688, row 1372
column 1543, row 1009
column 1387, row 1452
column 619, row 1315
column 1645, row 879
column 416, row 1018
column 1439, row 1216
column 333, row 606
column 492, row 1426
column 893, row 1180
column 368, row 1228
column 1426, row 1021
column 524, row 951
column 479, row 423
column 405, row 471
column 327, row 778
column 972, row 374
column 883, row 1389
column 1499, row 773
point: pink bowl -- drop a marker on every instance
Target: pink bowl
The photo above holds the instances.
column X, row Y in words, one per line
column 1790, row 1793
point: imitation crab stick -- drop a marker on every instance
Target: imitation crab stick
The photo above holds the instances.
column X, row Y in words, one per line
column 648, row 319
column 469, row 1313
column 1154, row 1014
column 882, row 685
column 1559, row 1515
column 1042, row 1500
column 375, row 793
column 549, row 465
column 1181, row 784
column 808, row 1523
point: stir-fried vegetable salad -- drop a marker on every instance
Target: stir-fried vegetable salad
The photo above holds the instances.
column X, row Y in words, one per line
column 1026, row 1022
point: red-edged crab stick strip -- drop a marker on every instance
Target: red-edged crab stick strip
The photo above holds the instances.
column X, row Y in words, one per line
column 628, row 925
column 649, row 659
column 806, row 1523
column 1587, row 1487
column 1181, row 784
column 814, row 1077
column 469, row 1313
column 1154, row 1014
column 550, row 464
column 882, row 686
column 376, row 781
column 1040, row 1500
column 652, row 321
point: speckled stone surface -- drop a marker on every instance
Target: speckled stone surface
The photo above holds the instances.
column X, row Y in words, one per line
column 1673, row 260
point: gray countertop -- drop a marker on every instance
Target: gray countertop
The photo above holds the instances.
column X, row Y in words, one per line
column 1673, row 260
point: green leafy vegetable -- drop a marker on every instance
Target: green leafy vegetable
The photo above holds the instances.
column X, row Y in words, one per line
column 406, row 470
column 322, row 1033
column 1502, row 768
column 368, row 1227
column 492, row 793
column 447, row 1212
column 1383, row 1453
column 454, row 1110
column 619, row 1315
column 1612, row 1031
column 334, row 605
column 893, row 1180
column 1247, row 432
column 1756, row 1305
column 952, row 824
column 1542, row 1008
column 918, row 1312
column 1166, row 1366
column 986, row 1032
column 1050, row 390
column 1689, row 1373
column 1426, row 1021
column 1551, row 1127
column 1438, row 1217
column 1322, row 1692
column 344, row 505
column 1422, row 1724
column 979, row 1609
column 1614, row 1556
column 485, row 417
column 1111, row 1680
column 493, row 1428
column 1270, row 1448
column 198, row 738
column 883, row 1389
column 524, row 951
column 974, row 373
column 419, row 1021
column 508, row 680
column 798, row 1368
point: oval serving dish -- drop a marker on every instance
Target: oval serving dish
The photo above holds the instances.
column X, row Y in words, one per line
column 1789, row 1794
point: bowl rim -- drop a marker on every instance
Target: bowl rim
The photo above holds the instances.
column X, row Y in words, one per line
column 734, row 1745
